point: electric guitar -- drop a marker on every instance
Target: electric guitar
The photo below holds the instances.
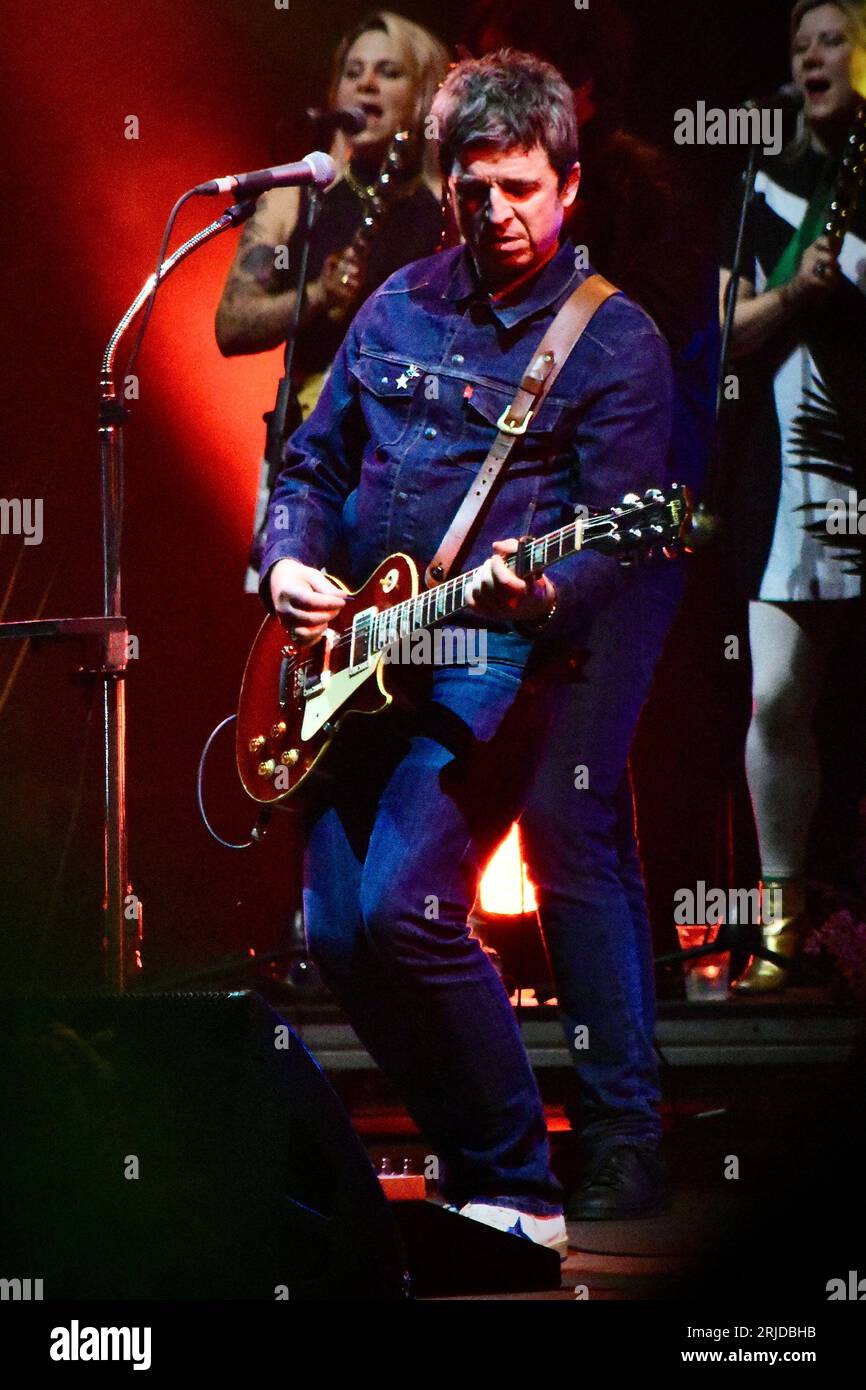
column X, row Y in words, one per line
column 294, row 698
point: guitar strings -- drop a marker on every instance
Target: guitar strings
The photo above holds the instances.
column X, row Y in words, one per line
column 546, row 543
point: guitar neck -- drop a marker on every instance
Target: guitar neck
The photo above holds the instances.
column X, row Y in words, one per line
column 387, row 185
column 448, row 598
column 849, row 184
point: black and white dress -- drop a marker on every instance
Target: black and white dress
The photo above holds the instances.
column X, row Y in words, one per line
column 797, row 436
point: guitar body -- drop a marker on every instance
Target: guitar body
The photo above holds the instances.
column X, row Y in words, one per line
column 309, row 393
column 293, row 697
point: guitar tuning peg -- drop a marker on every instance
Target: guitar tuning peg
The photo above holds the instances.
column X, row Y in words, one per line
column 653, row 494
column 657, row 529
column 631, row 499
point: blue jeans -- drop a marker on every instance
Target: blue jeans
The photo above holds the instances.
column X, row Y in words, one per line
column 580, row 846
column 393, row 849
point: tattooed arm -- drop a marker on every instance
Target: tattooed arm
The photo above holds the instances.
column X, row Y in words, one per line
column 254, row 312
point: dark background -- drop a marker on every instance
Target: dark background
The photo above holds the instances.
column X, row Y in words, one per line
column 211, row 81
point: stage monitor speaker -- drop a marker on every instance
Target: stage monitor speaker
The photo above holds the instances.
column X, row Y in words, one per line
column 451, row 1257
column 182, row 1147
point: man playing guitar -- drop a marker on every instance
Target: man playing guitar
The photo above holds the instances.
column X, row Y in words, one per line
column 397, row 828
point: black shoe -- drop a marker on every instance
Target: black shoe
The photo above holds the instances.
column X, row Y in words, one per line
column 629, row 1181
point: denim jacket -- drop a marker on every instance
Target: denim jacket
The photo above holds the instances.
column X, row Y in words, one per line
column 409, row 413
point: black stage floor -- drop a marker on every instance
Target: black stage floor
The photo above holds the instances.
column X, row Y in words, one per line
column 753, row 1081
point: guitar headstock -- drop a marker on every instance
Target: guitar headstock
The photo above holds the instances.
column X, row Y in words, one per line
column 398, row 167
column 400, row 158
column 657, row 521
column 849, row 184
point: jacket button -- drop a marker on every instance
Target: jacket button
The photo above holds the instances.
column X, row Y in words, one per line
column 430, row 432
column 458, row 359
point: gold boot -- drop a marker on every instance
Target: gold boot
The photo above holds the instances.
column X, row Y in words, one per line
column 783, row 934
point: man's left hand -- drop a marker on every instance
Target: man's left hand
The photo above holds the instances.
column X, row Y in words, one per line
column 495, row 592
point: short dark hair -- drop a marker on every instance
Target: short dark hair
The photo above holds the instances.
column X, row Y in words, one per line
column 506, row 99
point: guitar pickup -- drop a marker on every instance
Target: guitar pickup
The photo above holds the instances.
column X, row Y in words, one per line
column 283, row 691
column 362, row 629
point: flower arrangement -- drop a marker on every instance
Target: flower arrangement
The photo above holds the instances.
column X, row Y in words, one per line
column 843, row 938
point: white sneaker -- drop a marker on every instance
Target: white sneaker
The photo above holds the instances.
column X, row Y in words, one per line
column 544, row 1230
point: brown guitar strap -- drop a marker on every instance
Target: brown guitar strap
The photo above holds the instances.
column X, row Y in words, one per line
column 547, row 362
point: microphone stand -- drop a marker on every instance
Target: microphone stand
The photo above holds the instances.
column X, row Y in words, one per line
column 283, row 420
column 285, row 416
column 705, row 523
column 737, row 272
column 105, row 640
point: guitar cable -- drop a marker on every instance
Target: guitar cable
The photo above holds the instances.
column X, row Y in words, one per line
column 259, row 830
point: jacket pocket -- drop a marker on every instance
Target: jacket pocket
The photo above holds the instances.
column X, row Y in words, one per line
column 481, row 411
column 386, row 395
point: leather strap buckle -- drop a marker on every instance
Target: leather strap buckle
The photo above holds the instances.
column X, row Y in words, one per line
column 513, row 426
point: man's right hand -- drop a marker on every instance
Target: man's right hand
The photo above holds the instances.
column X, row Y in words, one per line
column 305, row 599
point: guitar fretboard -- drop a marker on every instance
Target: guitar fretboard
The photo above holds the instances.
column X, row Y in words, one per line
column 658, row 520
column 448, row 598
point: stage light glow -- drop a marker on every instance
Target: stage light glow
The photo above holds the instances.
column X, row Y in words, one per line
column 148, row 123
column 506, row 888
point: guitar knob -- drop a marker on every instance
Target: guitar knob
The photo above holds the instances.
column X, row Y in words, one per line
column 278, row 730
column 267, row 769
column 290, row 757
column 257, row 744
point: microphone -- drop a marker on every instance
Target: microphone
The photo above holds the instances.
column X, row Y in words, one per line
column 350, row 119
column 316, row 168
column 787, row 96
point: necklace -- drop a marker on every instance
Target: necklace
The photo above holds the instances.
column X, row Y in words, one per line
column 366, row 192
